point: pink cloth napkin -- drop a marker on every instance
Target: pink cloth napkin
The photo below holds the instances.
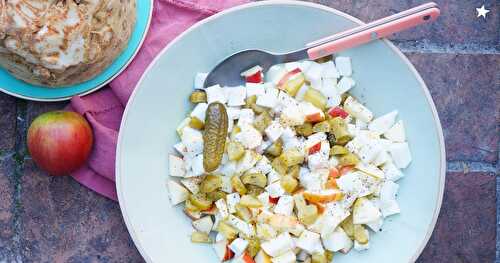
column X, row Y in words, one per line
column 104, row 109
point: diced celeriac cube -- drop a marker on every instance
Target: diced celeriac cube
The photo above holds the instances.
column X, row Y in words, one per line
column 263, row 146
column 317, row 161
column 274, row 130
column 236, row 96
column 382, row 158
column 313, row 74
column 328, row 87
column 203, row 224
column 264, row 166
column 197, row 166
column 371, row 170
column 222, row 251
column 242, row 226
column 229, row 168
column 392, row 173
column 376, row 225
column 358, row 110
column 337, row 240
column 292, row 116
column 268, row 99
column 249, row 137
column 284, row 206
column 177, row 193
column 222, row 208
column 400, row 153
column 199, row 80
column 284, row 100
column 275, row 73
column 383, row 123
column 250, row 158
column 273, row 176
column 232, row 200
column 264, row 199
column 199, row 111
column 344, row 65
column 329, row 70
column 238, row 246
column 275, row 189
column 256, row 89
column 176, row 166
column 216, row 93
column 314, row 180
column 369, row 151
column 396, row 133
column 335, row 213
column 360, row 247
column 308, row 241
column 365, row 211
column 193, row 140
column 181, row 148
column 233, row 113
column 345, row 84
column 361, row 125
column 334, row 101
column 192, row 184
column 388, row 203
column 350, row 182
column 247, row 116
column 287, row 257
column 279, row 245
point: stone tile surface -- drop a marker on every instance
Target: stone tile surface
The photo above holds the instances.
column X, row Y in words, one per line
column 65, row 222
column 465, row 91
column 7, row 123
column 466, row 228
column 458, row 23
column 7, row 217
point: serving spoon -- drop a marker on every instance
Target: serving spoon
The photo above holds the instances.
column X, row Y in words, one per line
column 227, row 72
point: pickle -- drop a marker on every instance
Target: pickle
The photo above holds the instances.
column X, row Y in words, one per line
column 305, row 129
column 211, row 183
column 318, row 258
column 294, row 171
column 214, row 137
column 201, row 201
column 216, row 195
column 196, row 123
column 339, row 128
column 253, row 247
column 323, row 126
column 349, row 159
column 251, row 102
column 292, row 157
column 255, row 190
column 227, row 231
column 262, row 121
column 235, row 150
column 238, row 185
column 289, row 183
column 338, row 150
column 348, row 226
column 316, row 98
column 279, row 165
column 257, row 179
column 276, row 148
column 250, row 201
column 243, row 213
column 361, row 234
column 200, row 237
column 198, row 96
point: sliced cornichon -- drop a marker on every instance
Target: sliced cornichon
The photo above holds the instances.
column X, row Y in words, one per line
column 214, row 137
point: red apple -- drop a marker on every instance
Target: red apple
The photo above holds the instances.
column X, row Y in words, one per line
column 60, row 141
column 338, row 112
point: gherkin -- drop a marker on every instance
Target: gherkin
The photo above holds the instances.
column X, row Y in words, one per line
column 214, row 137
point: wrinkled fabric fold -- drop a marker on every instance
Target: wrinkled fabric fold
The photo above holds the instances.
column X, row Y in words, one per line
column 104, row 109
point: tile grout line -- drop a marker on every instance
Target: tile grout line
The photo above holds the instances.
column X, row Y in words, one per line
column 20, row 152
column 425, row 46
column 468, row 166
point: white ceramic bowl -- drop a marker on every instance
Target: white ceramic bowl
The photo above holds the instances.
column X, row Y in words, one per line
column 385, row 81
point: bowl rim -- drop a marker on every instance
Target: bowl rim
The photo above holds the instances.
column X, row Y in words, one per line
column 423, row 86
column 137, row 48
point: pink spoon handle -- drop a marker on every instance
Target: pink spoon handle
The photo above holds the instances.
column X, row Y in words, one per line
column 373, row 33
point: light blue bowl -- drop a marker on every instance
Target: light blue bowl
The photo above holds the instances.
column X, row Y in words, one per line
column 385, row 81
column 21, row 89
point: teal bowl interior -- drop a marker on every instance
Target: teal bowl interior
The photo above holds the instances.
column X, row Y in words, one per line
column 385, row 81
